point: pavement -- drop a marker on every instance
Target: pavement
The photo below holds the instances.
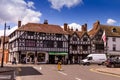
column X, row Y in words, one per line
column 114, row 71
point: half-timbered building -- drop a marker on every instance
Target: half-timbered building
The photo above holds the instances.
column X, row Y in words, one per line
column 97, row 44
column 79, row 44
column 112, row 34
column 42, row 42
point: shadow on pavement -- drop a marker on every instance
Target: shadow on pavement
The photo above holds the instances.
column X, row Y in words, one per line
column 25, row 71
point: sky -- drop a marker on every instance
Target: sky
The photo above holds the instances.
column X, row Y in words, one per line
column 73, row 12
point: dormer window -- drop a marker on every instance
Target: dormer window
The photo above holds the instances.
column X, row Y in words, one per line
column 113, row 30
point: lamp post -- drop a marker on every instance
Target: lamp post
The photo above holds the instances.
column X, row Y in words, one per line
column 4, row 44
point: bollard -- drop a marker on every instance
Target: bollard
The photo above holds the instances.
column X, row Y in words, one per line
column 59, row 66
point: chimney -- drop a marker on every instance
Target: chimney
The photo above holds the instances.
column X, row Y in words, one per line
column 71, row 29
column 45, row 21
column 76, row 29
column 68, row 29
column 85, row 27
column 19, row 24
column 96, row 24
column 82, row 28
column 65, row 26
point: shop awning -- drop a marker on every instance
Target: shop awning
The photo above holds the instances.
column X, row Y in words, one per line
column 57, row 53
column 114, row 53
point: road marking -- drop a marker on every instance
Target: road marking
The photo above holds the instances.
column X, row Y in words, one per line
column 18, row 78
column 93, row 70
column 5, row 76
column 62, row 73
column 35, row 67
column 40, row 68
column 77, row 78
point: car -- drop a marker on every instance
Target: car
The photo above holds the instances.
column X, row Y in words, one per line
column 113, row 62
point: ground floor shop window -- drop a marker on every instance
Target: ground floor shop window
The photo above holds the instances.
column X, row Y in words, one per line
column 23, row 58
column 41, row 57
column 30, row 57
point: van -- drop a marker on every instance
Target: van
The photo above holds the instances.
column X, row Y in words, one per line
column 94, row 59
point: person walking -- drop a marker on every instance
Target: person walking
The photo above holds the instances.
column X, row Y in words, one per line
column 14, row 60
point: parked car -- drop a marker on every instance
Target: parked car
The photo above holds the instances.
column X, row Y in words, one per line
column 94, row 59
column 113, row 62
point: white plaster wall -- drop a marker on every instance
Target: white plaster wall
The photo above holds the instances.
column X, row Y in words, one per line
column 117, row 43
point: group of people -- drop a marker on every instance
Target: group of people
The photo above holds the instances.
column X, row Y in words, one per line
column 14, row 60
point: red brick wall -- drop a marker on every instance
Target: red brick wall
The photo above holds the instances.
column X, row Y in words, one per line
column 5, row 56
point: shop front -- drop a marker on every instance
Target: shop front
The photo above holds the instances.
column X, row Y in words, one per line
column 113, row 54
column 54, row 57
column 32, row 57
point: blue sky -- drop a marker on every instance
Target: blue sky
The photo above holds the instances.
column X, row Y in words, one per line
column 73, row 12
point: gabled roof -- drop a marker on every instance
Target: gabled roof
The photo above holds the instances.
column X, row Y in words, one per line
column 79, row 33
column 46, row 28
column 108, row 30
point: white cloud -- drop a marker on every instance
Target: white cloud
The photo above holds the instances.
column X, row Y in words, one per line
column 8, row 31
column 75, row 26
column 58, row 4
column 14, row 10
column 31, row 4
column 111, row 21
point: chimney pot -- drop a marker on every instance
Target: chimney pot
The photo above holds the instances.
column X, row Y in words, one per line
column 96, row 24
column 19, row 23
column 76, row 29
column 65, row 26
column 45, row 21
column 85, row 27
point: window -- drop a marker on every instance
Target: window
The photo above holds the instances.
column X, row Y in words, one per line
column 114, row 30
column 85, row 39
column 41, row 57
column 113, row 39
column 85, row 47
column 58, row 35
column 59, row 44
column 30, row 33
column 74, row 47
column 114, row 47
column 90, row 58
column 30, row 43
column 74, row 38
column 99, row 47
column 48, row 44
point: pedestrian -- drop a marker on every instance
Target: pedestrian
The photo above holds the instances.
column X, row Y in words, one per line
column 24, row 60
column 35, row 60
column 14, row 60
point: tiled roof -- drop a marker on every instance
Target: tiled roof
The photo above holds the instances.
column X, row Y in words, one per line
column 46, row 28
column 92, row 32
column 108, row 30
column 79, row 33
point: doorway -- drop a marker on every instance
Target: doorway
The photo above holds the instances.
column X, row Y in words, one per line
column 30, row 58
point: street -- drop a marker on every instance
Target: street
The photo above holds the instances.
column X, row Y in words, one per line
column 68, row 72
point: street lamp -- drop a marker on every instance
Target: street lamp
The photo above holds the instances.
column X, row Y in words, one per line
column 4, row 44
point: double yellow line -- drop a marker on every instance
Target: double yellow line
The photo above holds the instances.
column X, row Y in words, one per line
column 105, row 73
